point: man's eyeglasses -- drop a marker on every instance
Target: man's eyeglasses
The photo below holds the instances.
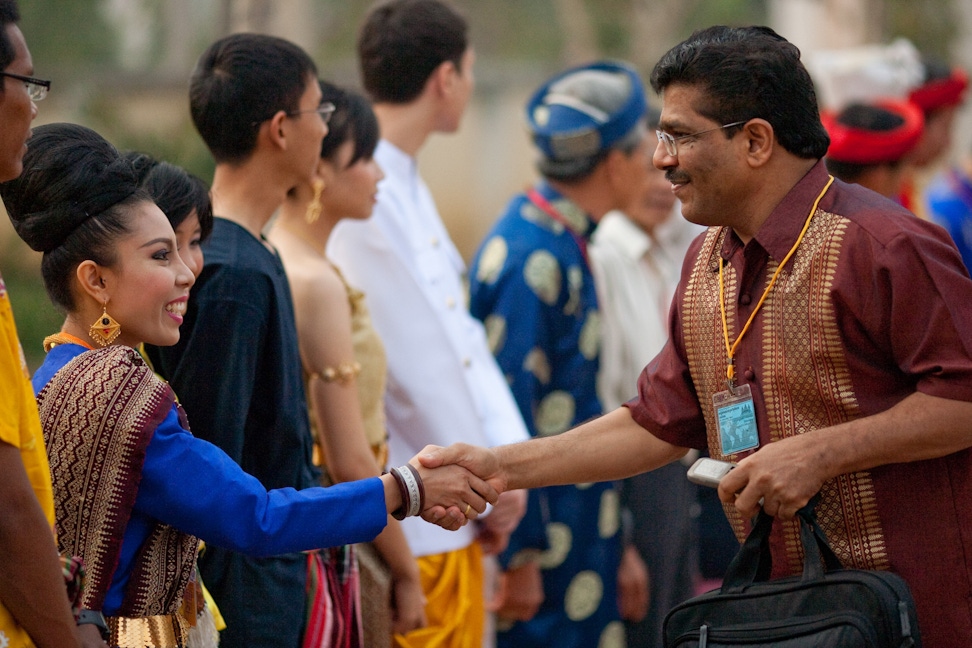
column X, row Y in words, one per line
column 671, row 141
column 37, row 89
column 325, row 110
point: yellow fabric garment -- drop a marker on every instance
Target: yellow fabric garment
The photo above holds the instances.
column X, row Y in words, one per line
column 211, row 604
column 369, row 352
column 455, row 608
column 20, row 427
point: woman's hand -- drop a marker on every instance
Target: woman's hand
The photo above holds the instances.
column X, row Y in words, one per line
column 408, row 603
column 482, row 462
column 454, row 487
column 453, row 494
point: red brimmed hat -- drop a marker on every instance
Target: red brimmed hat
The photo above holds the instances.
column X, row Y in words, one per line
column 856, row 145
column 939, row 93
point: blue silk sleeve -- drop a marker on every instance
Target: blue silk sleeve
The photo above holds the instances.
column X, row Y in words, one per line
column 195, row 487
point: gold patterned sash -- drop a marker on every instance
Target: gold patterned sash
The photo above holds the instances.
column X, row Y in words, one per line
column 163, row 631
column 803, row 376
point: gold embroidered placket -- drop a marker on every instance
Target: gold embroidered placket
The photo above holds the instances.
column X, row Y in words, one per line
column 805, row 385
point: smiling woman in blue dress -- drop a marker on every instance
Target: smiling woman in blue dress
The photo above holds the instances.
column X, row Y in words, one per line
column 126, row 470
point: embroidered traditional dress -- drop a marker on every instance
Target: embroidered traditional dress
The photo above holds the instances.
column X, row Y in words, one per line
column 369, row 353
column 352, row 583
column 233, row 510
column 874, row 306
column 99, row 414
column 209, row 621
column 370, row 372
column 531, row 286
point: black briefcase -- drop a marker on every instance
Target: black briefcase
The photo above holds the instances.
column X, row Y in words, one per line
column 827, row 606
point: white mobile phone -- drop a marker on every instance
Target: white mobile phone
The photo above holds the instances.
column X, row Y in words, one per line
column 709, row 472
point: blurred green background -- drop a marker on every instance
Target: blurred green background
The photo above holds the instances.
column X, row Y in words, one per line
column 122, row 68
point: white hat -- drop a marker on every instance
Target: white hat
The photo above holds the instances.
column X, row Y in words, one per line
column 864, row 74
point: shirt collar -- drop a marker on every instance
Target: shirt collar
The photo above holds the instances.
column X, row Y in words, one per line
column 631, row 240
column 394, row 161
column 781, row 229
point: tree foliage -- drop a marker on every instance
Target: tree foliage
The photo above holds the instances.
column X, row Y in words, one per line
column 68, row 38
column 930, row 24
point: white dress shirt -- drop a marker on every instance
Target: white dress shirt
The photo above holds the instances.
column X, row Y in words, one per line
column 636, row 276
column 444, row 385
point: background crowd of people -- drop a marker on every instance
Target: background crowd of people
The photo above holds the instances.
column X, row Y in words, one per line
column 262, row 382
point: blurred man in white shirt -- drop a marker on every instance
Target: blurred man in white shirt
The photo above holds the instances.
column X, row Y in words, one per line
column 637, row 259
column 443, row 383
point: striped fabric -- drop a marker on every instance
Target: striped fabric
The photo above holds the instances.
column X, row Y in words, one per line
column 333, row 599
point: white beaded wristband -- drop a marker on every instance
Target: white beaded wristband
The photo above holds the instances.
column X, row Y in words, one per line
column 414, row 495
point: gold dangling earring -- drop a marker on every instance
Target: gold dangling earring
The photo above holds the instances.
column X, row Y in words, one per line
column 105, row 329
column 314, row 208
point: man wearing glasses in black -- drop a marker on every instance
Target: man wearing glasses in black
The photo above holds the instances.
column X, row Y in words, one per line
column 236, row 367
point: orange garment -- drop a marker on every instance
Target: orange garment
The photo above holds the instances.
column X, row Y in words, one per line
column 455, row 607
column 20, row 427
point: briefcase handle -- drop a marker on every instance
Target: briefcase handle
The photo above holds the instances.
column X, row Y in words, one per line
column 754, row 562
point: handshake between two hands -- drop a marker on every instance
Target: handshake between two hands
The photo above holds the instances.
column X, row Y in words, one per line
column 459, row 481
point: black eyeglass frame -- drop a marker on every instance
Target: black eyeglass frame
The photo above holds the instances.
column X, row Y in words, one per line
column 40, row 83
column 325, row 110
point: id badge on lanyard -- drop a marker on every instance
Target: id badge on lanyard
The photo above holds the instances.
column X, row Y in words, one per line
column 736, row 418
column 734, row 410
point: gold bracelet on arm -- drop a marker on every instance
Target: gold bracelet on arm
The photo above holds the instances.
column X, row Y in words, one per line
column 342, row 374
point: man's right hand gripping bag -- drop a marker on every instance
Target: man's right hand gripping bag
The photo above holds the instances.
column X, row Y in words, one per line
column 832, row 607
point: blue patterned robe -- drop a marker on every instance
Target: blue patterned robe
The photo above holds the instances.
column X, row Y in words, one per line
column 531, row 285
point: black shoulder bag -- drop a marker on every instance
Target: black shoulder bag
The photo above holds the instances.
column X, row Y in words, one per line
column 827, row 606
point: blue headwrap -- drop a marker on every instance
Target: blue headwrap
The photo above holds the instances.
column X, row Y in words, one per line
column 565, row 127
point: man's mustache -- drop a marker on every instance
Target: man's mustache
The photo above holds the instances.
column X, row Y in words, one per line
column 675, row 177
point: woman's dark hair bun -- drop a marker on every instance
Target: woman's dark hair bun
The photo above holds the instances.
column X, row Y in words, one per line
column 70, row 174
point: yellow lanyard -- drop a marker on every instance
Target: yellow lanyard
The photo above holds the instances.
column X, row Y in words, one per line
column 731, row 348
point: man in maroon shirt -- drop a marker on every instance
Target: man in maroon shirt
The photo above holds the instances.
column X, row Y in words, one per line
column 821, row 327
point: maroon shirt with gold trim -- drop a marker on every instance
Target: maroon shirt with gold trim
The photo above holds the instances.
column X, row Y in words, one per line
column 874, row 305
